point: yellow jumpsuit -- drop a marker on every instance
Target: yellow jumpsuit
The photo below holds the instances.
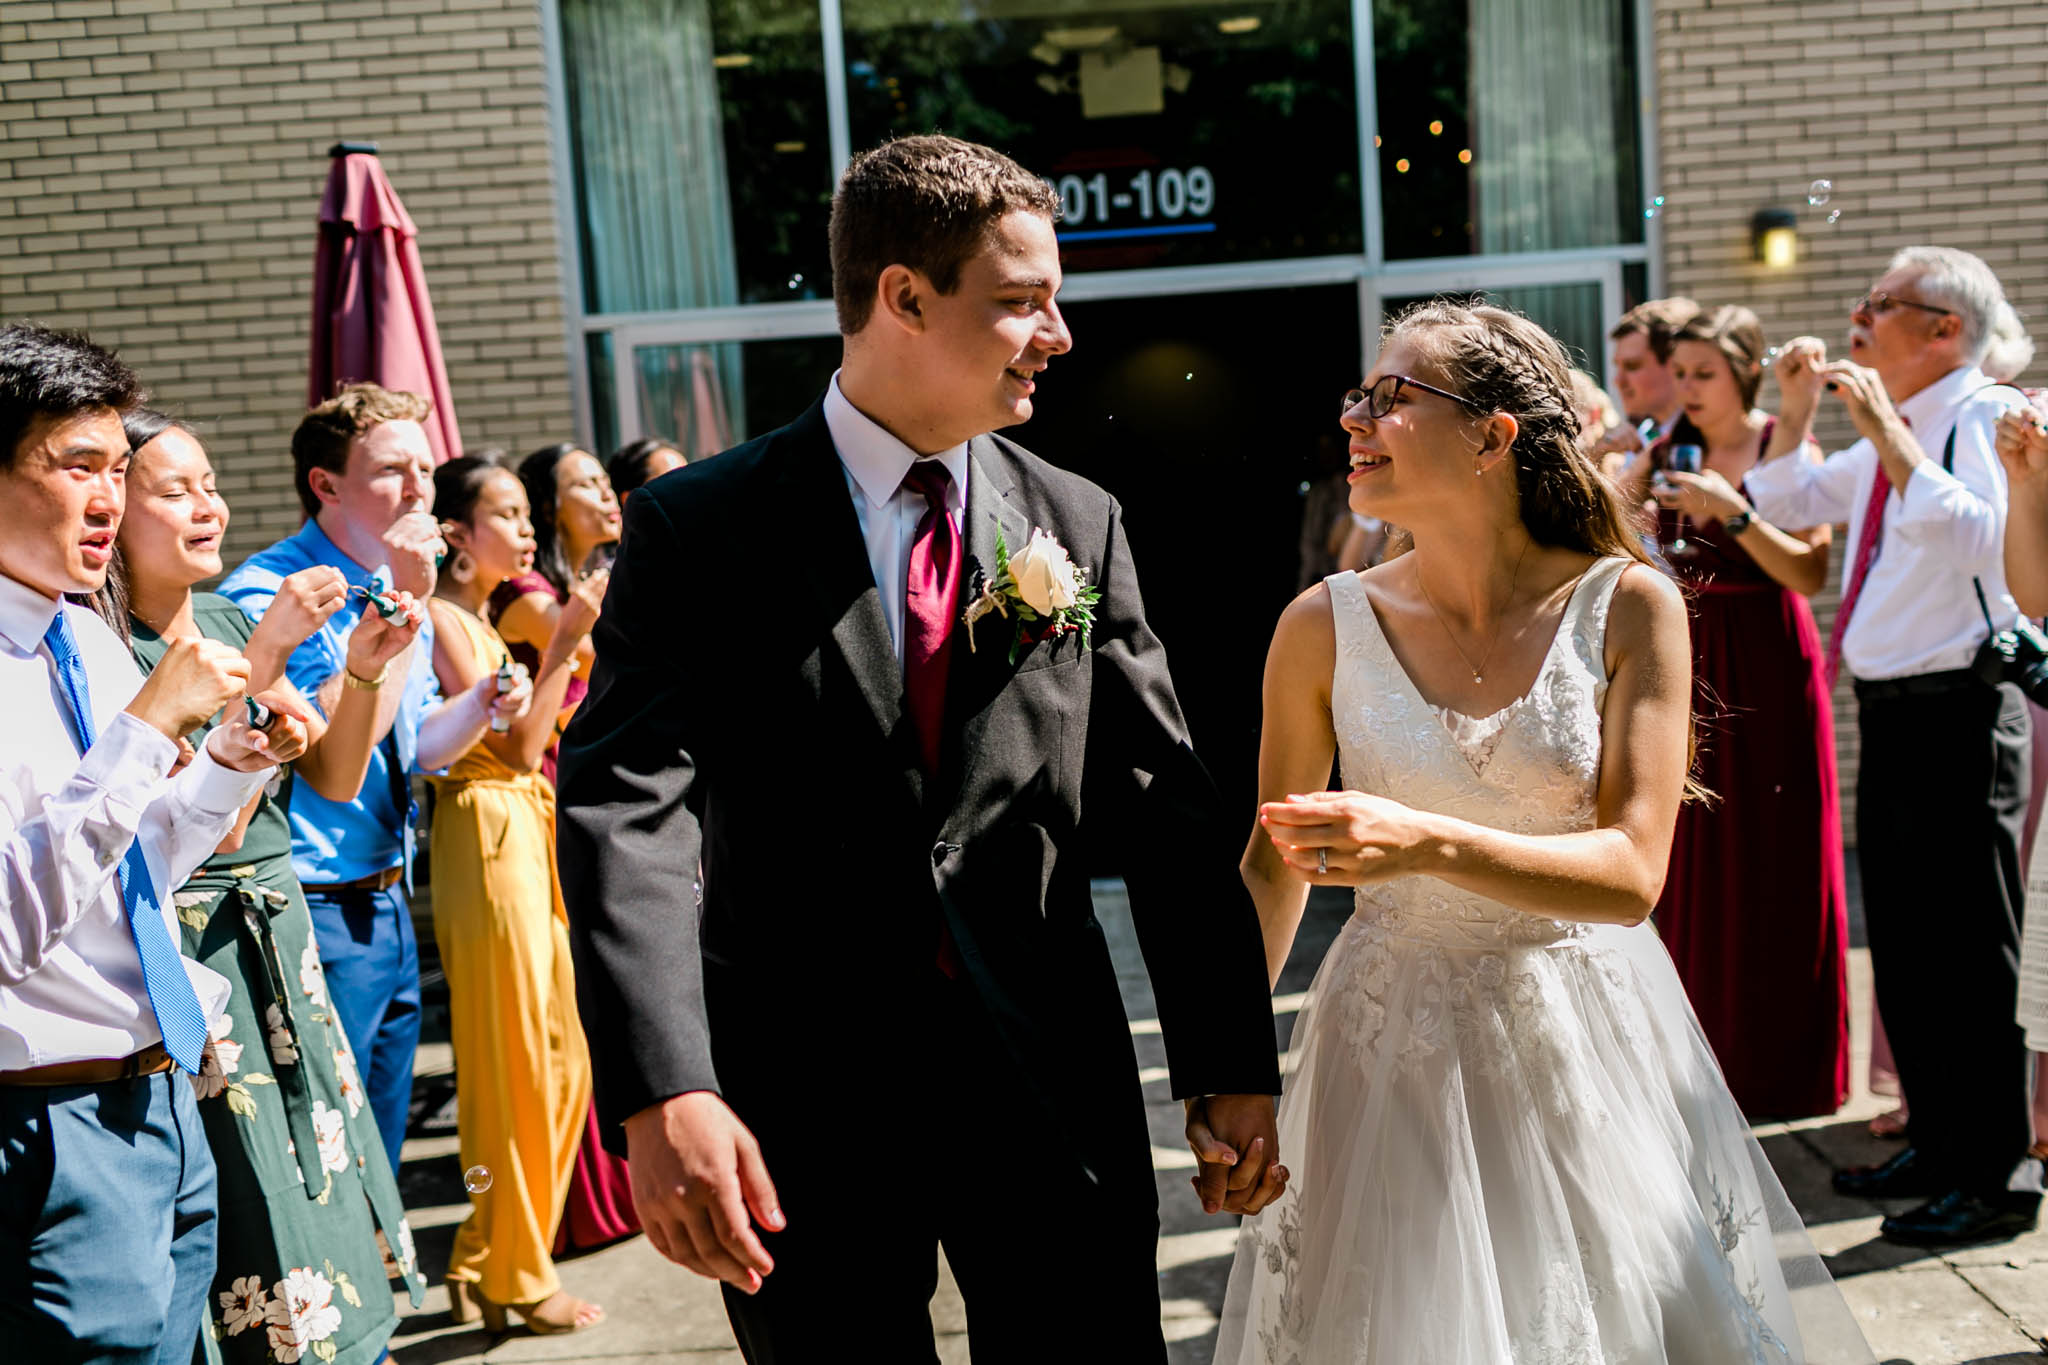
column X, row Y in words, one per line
column 522, row 1066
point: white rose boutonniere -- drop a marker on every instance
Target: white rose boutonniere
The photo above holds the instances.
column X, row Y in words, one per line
column 1042, row 587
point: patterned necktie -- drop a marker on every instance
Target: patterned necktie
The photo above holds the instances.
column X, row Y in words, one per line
column 1866, row 555
column 178, row 1015
column 931, row 602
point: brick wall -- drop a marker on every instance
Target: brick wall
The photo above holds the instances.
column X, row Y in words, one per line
column 163, row 163
column 1926, row 114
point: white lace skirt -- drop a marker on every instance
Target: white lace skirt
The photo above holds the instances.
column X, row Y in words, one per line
column 1520, row 1157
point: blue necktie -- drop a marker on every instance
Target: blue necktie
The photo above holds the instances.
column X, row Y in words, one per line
column 163, row 971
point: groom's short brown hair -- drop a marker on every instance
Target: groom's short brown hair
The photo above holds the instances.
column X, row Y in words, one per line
column 925, row 202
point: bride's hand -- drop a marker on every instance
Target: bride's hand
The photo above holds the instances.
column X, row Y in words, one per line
column 1346, row 838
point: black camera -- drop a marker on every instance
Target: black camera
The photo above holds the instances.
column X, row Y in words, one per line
column 2018, row 656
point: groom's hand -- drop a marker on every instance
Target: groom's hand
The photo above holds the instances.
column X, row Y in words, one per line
column 1236, row 1143
column 697, row 1173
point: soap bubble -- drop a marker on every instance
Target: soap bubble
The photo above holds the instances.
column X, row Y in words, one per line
column 1654, row 207
column 796, row 282
column 1189, row 376
column 1819, row 192
column 476, row 1179
column 1834, row 216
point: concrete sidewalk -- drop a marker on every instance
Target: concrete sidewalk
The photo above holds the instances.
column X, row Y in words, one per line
column 1980, row 1307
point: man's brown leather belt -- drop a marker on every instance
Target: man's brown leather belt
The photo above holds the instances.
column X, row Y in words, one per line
column 376, row 881
column 93, row 1071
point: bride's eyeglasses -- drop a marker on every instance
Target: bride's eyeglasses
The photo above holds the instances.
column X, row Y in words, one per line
column 1379, row 399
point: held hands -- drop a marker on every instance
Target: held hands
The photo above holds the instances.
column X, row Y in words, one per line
column 375, row 641
column 1705, row 496
column 246, row 750
column 412, row 545
column 1346, row 838
column 697, row 1176
column 1798, row 371
column 1863, row 394
column 2022, row 438
column 303, row 603
column 505, row 706
column 1236, row 1145
column 194, row 679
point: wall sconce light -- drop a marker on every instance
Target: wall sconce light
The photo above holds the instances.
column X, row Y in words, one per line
column 1774, row 237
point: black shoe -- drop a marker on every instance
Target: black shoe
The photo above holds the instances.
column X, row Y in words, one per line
column 1956, row 1218
column 1905, row 1176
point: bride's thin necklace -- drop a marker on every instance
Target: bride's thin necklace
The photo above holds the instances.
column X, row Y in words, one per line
column 1499, row 617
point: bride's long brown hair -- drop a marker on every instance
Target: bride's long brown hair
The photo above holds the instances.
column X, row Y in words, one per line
column 1505, row 363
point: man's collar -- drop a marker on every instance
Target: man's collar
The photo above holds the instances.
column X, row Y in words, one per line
column 25, row 614
column 321, row 549
column 1944, row 393
column 875, row 458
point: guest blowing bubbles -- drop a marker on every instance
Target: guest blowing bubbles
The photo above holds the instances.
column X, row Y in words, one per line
column 244, row 909
column 574, row 510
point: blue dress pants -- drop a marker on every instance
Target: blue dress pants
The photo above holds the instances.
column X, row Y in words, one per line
column 107, row 1222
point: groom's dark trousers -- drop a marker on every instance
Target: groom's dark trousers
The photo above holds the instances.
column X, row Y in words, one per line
column 747, row 716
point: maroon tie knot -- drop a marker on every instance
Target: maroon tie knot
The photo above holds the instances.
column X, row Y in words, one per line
column 929, row 479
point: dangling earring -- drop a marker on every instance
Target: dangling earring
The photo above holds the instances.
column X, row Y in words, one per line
column 1478, row 471
column 462, row 568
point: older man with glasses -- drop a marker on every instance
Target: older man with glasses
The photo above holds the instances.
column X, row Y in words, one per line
column 1942, row 790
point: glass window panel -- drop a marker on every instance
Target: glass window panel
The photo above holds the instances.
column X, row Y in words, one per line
column 1506, row 127
column 682, row 390
column 1569, row 312
column 1177, row 133
column 697, row 132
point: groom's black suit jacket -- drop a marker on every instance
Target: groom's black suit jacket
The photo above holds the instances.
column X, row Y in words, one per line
column 747, row 713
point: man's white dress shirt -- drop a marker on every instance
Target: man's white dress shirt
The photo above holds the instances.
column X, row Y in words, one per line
column 70, row 977
column 1918, row 612
column 875, row 465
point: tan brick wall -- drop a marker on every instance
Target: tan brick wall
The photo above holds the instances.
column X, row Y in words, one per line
column 1928, row 116
column 163, row 162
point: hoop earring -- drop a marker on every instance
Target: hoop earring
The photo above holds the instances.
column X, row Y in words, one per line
column 462, row 568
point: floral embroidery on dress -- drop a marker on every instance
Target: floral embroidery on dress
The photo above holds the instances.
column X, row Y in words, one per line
column 243, row 1304
column 283, row 1052
column 328, row 1127
column 1561, row 1329
column 301, row 1315
column 1274, row 1238
column 221, row 1058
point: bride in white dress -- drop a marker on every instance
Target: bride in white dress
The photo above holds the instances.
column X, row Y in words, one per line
column 1506, row 1140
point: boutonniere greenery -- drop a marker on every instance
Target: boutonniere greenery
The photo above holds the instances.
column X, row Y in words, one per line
column 1041, row 588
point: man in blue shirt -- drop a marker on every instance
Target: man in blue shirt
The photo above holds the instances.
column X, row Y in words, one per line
column 364, row 473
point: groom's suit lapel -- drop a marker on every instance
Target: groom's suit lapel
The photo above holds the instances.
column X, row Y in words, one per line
column 832, row 563
column 981, row 671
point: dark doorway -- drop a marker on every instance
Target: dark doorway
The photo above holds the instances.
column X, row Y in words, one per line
column 1206, row 416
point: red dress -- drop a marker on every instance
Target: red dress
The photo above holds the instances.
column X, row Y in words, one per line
column 1755, row 910
column 599, row 1208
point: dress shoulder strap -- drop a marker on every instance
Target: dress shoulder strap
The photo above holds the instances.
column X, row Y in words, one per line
column 1588, row 610
column 1357, row 627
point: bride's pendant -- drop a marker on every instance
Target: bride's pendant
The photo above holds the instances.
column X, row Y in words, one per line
column 1477, row 679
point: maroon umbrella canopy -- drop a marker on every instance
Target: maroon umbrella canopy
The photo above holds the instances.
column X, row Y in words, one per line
column 372, row 319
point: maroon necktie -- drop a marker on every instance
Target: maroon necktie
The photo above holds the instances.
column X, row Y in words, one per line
column 1866, row 555
column 930, row 602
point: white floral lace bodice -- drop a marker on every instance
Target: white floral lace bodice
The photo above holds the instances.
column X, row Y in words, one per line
column 1533, row 768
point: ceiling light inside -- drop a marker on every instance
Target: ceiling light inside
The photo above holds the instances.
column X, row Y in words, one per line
column 1247, row 23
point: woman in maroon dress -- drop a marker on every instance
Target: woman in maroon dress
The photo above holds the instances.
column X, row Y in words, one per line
column 574, row 512
column 1755, row 910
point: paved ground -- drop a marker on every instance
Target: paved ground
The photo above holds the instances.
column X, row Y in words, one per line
column 1982, row 1307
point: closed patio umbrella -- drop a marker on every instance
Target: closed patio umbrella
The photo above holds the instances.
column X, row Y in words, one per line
column 372, row 319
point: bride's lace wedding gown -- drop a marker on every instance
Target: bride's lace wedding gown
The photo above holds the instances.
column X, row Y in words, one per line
column 1510, row 1144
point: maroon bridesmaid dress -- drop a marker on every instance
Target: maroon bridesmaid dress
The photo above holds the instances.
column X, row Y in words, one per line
column 599, row 1207
column 1755, row 910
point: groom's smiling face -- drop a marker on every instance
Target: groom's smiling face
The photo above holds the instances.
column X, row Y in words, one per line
column 986, row 343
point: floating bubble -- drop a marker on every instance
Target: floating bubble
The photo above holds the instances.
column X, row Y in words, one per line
column 1189, row 376
column 476, row 1179
column 1834, row 216
column 1819, row 192
column 1654, row 207
column 796, row 281
column 1303, row 490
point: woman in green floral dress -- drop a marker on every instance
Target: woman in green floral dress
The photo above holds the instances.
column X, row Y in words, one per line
column 308, row 1203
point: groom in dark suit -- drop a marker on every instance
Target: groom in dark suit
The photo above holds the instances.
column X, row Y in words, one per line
column 886, row 1020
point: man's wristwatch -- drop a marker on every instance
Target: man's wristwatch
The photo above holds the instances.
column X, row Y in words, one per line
column 349, row 679
column 1739, row 523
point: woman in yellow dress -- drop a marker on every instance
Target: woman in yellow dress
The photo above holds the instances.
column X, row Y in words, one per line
column 520, row 1058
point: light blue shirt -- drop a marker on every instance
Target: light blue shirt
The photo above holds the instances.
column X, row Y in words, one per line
column 335, row 841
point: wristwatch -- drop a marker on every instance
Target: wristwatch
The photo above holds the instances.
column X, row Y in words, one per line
column 349, row 679
column 1739, row 523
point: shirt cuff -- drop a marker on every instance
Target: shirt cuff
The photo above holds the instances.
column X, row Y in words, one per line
column 218, row 789
column 131, row 757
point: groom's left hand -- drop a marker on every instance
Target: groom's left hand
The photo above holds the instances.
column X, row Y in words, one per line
column 1237, row 1146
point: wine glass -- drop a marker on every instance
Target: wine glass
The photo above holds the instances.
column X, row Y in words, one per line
column 1684, row 459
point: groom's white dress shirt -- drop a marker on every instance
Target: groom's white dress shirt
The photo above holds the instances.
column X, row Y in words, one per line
column 1918, row 611
column 70, row 977
column 875, row 465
